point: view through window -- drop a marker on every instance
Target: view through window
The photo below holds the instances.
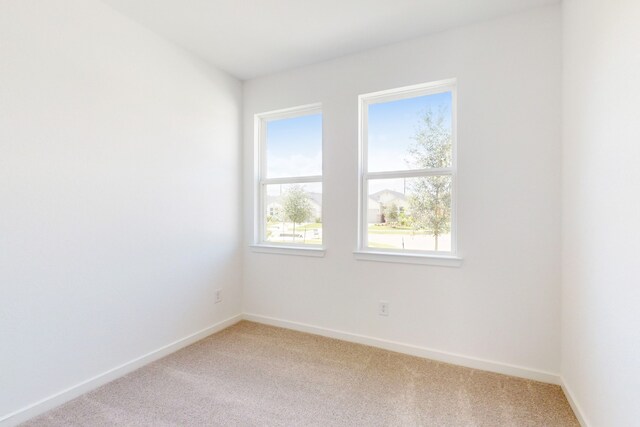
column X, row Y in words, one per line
column 408, row 169
column 291, row 177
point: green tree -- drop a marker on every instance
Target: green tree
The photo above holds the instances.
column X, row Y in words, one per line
column 296, row 206
column 390, row 213
column 430, row 201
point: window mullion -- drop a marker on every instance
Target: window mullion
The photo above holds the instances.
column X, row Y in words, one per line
column 409, row 173
column 292, row 180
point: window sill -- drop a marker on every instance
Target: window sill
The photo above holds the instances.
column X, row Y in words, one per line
column 288, row 250
column 409, row 258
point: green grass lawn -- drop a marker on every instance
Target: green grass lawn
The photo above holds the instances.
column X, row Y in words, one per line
column 300, row 230
column 384, row 229
column 299, row 240
column 310, row 226
column 382, row 245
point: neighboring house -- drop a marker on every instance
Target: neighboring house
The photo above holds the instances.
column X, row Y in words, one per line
column 374, row 213
column 316, row 205
column 274, row 206
column 378, row 201
column 376, row 205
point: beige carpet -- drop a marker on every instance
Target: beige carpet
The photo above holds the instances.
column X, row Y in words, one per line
column 256, row 375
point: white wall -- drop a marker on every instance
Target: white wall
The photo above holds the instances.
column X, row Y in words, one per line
column 119, row 182
column 504, row 303
column 601, row 210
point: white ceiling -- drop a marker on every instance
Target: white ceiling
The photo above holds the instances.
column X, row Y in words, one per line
column 250, row 38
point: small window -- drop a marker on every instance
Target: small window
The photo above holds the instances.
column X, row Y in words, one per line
column 408, row 170
column 289, row 178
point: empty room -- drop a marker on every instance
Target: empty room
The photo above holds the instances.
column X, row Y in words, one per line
column 320, row 213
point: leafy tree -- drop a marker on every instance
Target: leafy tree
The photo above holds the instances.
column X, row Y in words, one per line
column 404, row 220
column 431, row 205
column 431, row 195
column 432, row 142
column 390, row 213
column 296, row 206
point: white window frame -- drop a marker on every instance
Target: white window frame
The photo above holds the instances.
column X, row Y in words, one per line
column 261, row 181
column 363, row 252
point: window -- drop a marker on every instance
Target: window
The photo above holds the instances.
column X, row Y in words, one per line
column 408, row 171
column 289, row 178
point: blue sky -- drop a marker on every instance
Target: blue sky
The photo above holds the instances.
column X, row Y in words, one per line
column 294, row 146
column 392, row 126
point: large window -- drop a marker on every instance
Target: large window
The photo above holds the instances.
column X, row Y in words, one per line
column 289, row 164
column 408, row 170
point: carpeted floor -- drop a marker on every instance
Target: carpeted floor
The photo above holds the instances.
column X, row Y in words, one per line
column 256, row 375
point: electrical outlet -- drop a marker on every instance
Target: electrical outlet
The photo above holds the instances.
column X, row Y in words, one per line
column 218, row 296
column 383, row 308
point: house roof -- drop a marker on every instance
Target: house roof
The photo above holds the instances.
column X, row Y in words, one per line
column 314, row 197
column 396, row 195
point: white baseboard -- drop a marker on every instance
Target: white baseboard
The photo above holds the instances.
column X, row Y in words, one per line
column 441, row 356
column 72, row 392
column 574, row 403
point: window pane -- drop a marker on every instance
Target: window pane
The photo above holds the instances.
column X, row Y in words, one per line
column 294, row 147
column 410, row 213
column 293, row 213
column 412, row 133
